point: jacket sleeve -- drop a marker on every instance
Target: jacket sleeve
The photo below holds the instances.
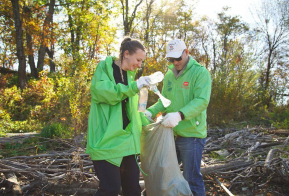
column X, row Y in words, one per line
column 202, row 93
column 158, row 106
column 103, row 90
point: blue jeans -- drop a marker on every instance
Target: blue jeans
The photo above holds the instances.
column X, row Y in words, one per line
column 190, row 151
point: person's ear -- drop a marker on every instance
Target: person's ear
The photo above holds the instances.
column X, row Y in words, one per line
column 187, row 51
column 126, row 54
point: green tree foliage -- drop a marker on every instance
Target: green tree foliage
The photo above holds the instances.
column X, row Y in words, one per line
column 82, row 34
column 279, row 117
column 89, row 32
column 7, row 34
column 167, row 21
column 221, row 47
column 49, row 99
column 233, row 89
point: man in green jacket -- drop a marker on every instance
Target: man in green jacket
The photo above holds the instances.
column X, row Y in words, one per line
column 188, row 85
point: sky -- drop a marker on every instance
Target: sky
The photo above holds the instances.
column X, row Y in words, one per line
column 238, row 7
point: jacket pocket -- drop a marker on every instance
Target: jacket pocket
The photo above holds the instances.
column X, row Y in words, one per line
column 201, row 120
column 198, row 121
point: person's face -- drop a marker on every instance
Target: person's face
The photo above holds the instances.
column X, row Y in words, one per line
column 180, row 62
column 133, row 61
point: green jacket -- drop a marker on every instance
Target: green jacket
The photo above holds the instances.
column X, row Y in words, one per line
column 190, row 94
column 106, row 139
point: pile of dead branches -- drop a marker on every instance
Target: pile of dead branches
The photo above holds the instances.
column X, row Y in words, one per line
column 66, row 172
column 232, row 158
column 252, row 157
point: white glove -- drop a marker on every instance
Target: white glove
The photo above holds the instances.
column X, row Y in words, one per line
column 143, row 81
column 148, row 114
column 172, row 119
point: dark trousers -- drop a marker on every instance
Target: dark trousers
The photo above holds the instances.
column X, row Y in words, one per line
column 112, row 177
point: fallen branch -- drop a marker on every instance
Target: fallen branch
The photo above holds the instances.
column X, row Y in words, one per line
column 214, row 169
column 280, row 131
column 269, row 158
column 223, row 186
column 12, row 182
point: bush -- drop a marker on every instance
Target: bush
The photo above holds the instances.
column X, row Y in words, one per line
column 49, row 99
column 8, row 80
column 19, row 126
column 280, row 117
column 55, row 130
column 9, row 126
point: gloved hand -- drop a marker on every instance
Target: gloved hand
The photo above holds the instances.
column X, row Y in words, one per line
column 172, row 119
column 143, row 81
column 148, row 114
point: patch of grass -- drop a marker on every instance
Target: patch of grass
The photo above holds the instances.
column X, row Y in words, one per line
column 216, row 156
column 56, row 130
column 28, row 147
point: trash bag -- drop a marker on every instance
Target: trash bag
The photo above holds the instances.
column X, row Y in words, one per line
column 159, row 162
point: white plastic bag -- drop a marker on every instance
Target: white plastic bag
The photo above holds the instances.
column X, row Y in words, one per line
column 159, row 161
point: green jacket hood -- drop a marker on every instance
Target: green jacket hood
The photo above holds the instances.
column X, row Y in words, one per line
column 108, row 62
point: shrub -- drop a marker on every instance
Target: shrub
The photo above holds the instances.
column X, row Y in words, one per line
column 55, row 130
column 280, row 117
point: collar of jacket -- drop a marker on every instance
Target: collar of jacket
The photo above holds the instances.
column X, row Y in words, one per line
column 108, row 64
column 189, row 65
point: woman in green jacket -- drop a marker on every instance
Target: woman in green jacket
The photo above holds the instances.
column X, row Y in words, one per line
column 114, row 125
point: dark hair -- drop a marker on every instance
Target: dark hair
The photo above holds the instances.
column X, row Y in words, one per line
column 131, row 45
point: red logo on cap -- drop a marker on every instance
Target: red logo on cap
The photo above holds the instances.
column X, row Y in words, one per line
column 186, row 84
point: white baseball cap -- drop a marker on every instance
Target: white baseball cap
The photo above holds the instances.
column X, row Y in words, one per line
column 175, row 48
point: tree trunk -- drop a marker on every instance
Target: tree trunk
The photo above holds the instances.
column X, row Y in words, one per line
column 30, row 51
column 78, row 37
column 79, row 29
column 19, row 44
column 126, row 23
column 147, row 20
column 92, row 53
column 51, row 62
column 47, row 21
column 34, row 72
column 214, row 49
column 51, row 54
column 206, row 52
column 70, row 23
column 267, row 78
column 128, row 20
column 76, row 28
